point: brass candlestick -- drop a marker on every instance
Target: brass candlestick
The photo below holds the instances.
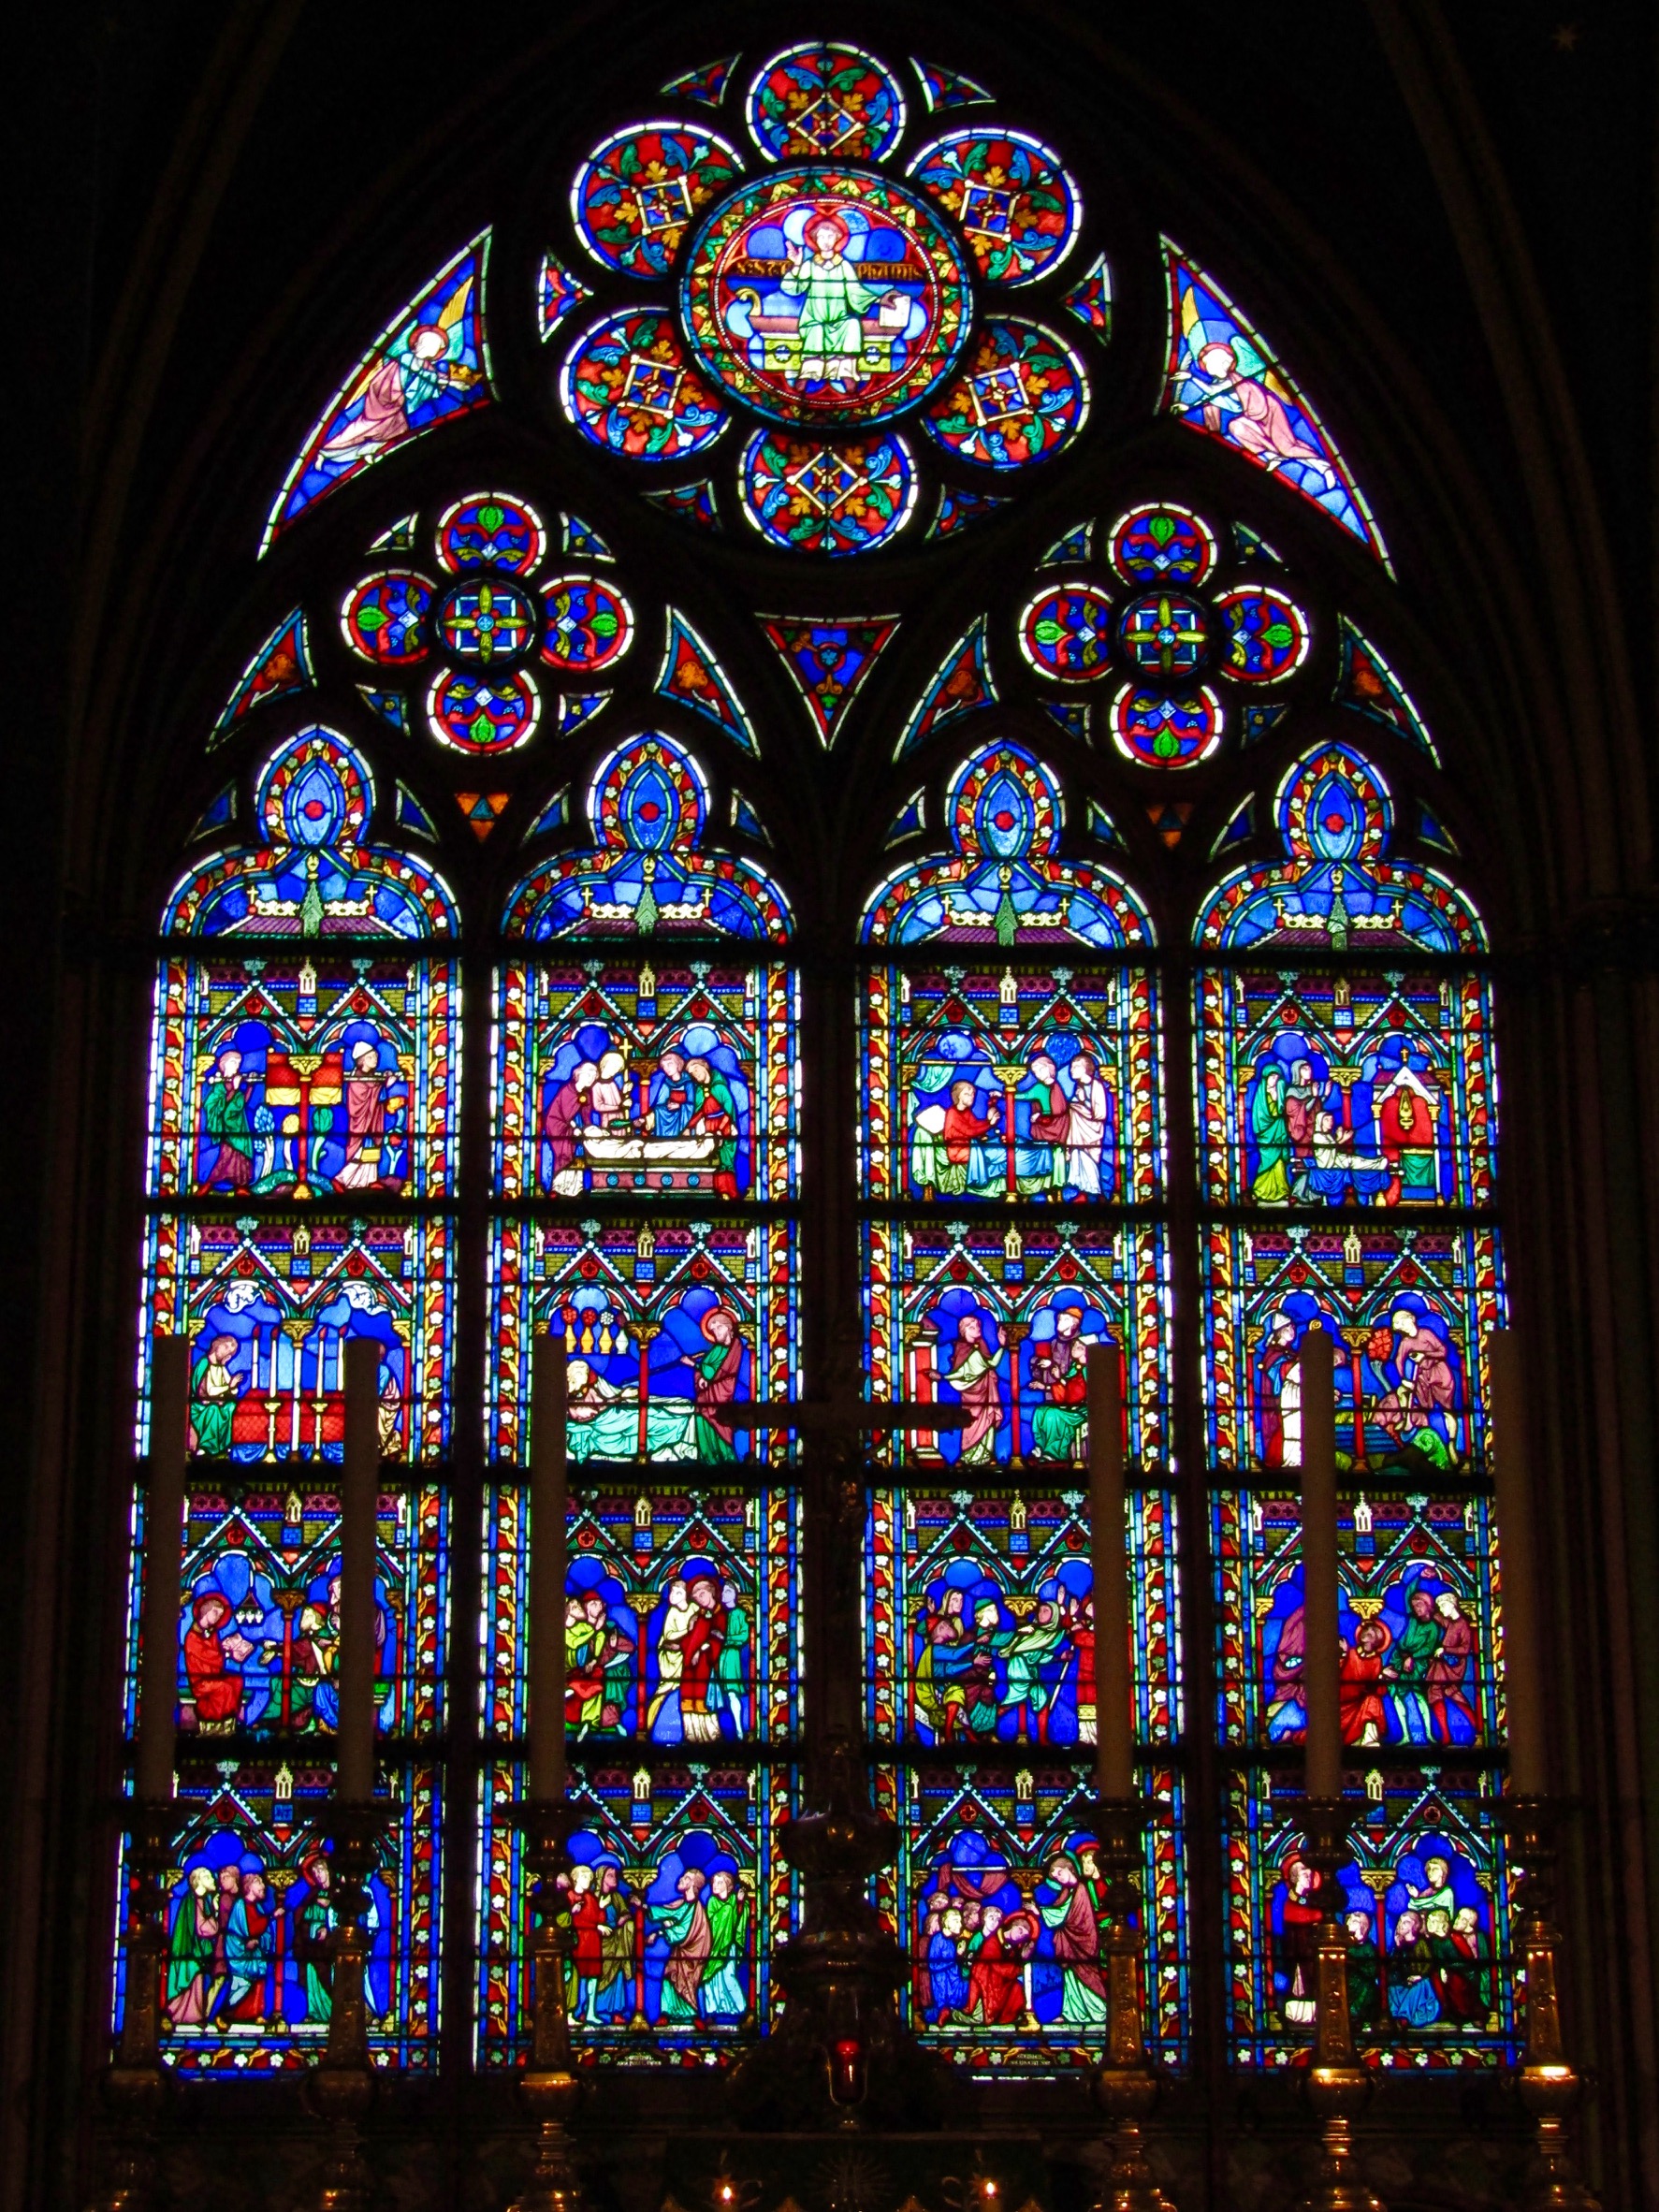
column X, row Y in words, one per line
column 135, row 2085
column 1126, row 2087
column 1549, row 2083
column 548, row 2088
column 1337, row 2086
column 340, row 2085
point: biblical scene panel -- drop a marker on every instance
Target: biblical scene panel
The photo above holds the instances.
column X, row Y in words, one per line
column 1426, row 1905
column 679, row 1620
column 999, row 1901
column 623, row 1078
column 1408, row 1307
column 247, row 1981
column 665, row 1324
column 979, row 1617
column 259, row 1611
column 1346, row 1089
column 304, row 1074
column 998, row 1319
column 1420, row 1620
column 268, row 1306
column 1033, row 1087
column 676, row 1899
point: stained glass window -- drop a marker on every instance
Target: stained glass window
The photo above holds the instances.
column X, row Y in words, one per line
column 1346, row 1142
column 1012, row 1169
column 810, row 316
column 302, row 1166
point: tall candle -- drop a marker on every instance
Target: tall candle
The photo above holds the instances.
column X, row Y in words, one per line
column 164, row 1550
column 359, row 1502
column 1522, row 1682
column 1319, row 1669
column 1113, row 1709
column 549, row 1413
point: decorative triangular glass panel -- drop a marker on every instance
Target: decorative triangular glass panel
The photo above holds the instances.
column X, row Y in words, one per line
column 558, row 295
column 1249, row 545
column 1255, row 722
column 218, row 812
column 1170, row 817
column 743, row 818
column 689, row 502
column 947, row 88
column 581, row 539
column 282, row 664
column 411, row 817
column 909, row 820
column 397, row 537
column 425, row 367
column 391, row 706
column 690, row 675
column 483, row 810
column 1223, row 379
column 1433, row 831
column 571, row 709
column 1090, row 300
column 1102, row 824
column 1077, row 544
column 1072, row 714
column 1237, row 829
column 555, row 815
column 1365, row 682
column 829, row 660
column 958, row 509
column 963, row 683
column 707, row 86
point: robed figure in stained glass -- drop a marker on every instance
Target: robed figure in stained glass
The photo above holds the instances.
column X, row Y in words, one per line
column 832, row 301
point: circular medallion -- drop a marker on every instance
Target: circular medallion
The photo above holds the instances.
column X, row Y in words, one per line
column 826, row 296
column 1021, row 397
column 1162, row 545
column 1267, row 634
column 1014, row 203
column 385, row 618
column 639, row 191
column 1164, row 634
column 1164, row 730
column 827, row 499
column 817, row 101
column 490, row 529
column 477, row 714
column 629, row 388
column 486, row 622
column 1066, row 632
column 590, row 624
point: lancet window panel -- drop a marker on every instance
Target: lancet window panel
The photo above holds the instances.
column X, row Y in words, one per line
column 1427, row 1909
column 681, row 1623
column 1408, row 1309
column 1421, row 1612
column 304, row 1072
column 998, row 1320
column 647, row 1079
column 979, row 1611
column 246, row 1983
column 258, row 1631
column 997, row 1896
column 1039, row 1087
column 268, row 1303
column 664, row 1321
column 677, row 1899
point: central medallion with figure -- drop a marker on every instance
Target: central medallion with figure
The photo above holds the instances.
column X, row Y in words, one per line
column 827, row 296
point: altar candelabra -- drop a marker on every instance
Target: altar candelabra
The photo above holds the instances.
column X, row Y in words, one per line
column 1549, row 2082
column 1125, row 2085
column 548, row 2088
column 1338, row 2087
column 135, row 2087
column 340, row 2087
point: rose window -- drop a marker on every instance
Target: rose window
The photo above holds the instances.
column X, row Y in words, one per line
column 830, row 306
